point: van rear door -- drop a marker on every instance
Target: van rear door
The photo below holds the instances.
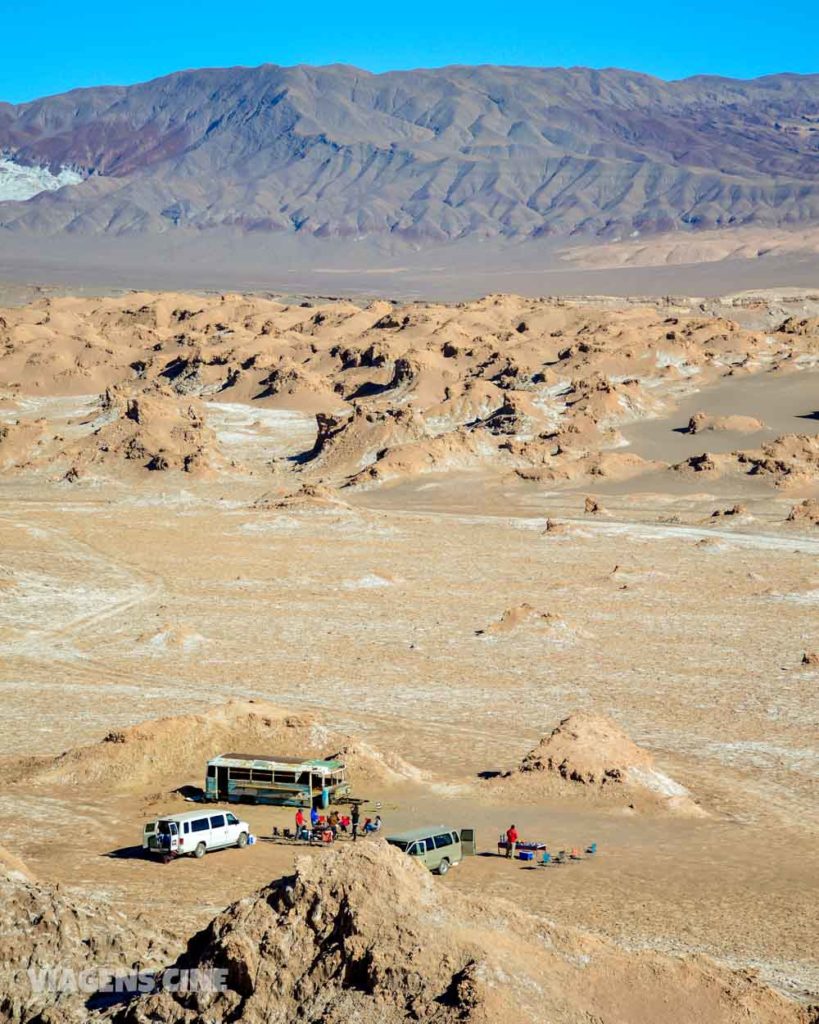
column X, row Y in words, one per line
column 166, row 839
column 148, row 833
column 469, row 846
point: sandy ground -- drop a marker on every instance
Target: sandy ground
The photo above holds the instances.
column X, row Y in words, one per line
column 680, row 265
column 128, row 607
column 125, row 599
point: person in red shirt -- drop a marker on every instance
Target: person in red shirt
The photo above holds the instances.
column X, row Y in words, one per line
column 299, row 822
column 511, row 840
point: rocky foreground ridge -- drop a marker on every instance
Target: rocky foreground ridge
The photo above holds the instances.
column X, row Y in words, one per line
column 363, row 933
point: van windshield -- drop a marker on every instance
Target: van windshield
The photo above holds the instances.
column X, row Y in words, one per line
column 399, row 843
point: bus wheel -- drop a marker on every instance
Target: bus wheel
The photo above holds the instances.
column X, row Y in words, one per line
column 242, row 840
column 199, row 851
column 443, row 867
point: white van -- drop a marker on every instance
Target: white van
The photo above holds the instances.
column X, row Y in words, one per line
column 194, row 833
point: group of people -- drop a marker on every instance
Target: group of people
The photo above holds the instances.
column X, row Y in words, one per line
column 334, row 824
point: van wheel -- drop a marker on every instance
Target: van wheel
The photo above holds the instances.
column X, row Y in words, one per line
column 199, row 851
column 443, row 867
column 242, row 840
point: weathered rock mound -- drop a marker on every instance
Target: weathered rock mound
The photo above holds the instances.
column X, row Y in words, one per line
column 590, row 755
column 701, row 422
column 589, row 749
column 522, row 616
column 790, row 461
column 806, row 511
column 364, row 934
column 45, row 929
column 307, row 498
column 155, row 430
column 538, row 387
column 167, row 750
column 371, row 765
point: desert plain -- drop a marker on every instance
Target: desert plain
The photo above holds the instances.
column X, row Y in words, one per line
column 542, row 561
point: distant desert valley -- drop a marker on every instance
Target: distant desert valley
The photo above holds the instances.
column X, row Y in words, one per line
column 463, row 428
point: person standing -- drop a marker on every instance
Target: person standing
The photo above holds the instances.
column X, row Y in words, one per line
column 511, row 841
column 355, row 819
column 299, row 822
column 314, row 816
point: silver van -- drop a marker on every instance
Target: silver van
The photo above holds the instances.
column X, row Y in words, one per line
column 437, row 846
column 194, row 833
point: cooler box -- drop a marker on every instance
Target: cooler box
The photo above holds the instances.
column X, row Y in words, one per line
column 526, row 855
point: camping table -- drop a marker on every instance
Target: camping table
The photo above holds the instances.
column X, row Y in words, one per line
column 534, row 847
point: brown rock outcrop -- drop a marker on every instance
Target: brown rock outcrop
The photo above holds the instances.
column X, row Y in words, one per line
column 48, row 937
column 365, row 934
column 702, row 422
column 806, row 511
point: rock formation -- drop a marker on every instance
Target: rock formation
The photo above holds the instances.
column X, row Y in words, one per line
column 365, row 934
column 590, row 752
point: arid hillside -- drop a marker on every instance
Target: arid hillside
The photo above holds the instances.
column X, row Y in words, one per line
column 416, row 156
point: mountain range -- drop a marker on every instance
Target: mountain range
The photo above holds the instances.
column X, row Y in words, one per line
column 419, row 157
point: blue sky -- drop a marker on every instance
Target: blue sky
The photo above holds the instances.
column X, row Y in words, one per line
column 53, row 45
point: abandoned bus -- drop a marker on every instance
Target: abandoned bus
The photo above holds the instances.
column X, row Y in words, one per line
column 266, row 779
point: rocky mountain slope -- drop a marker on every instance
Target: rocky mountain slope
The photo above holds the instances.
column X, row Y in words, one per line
column 420, row 156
